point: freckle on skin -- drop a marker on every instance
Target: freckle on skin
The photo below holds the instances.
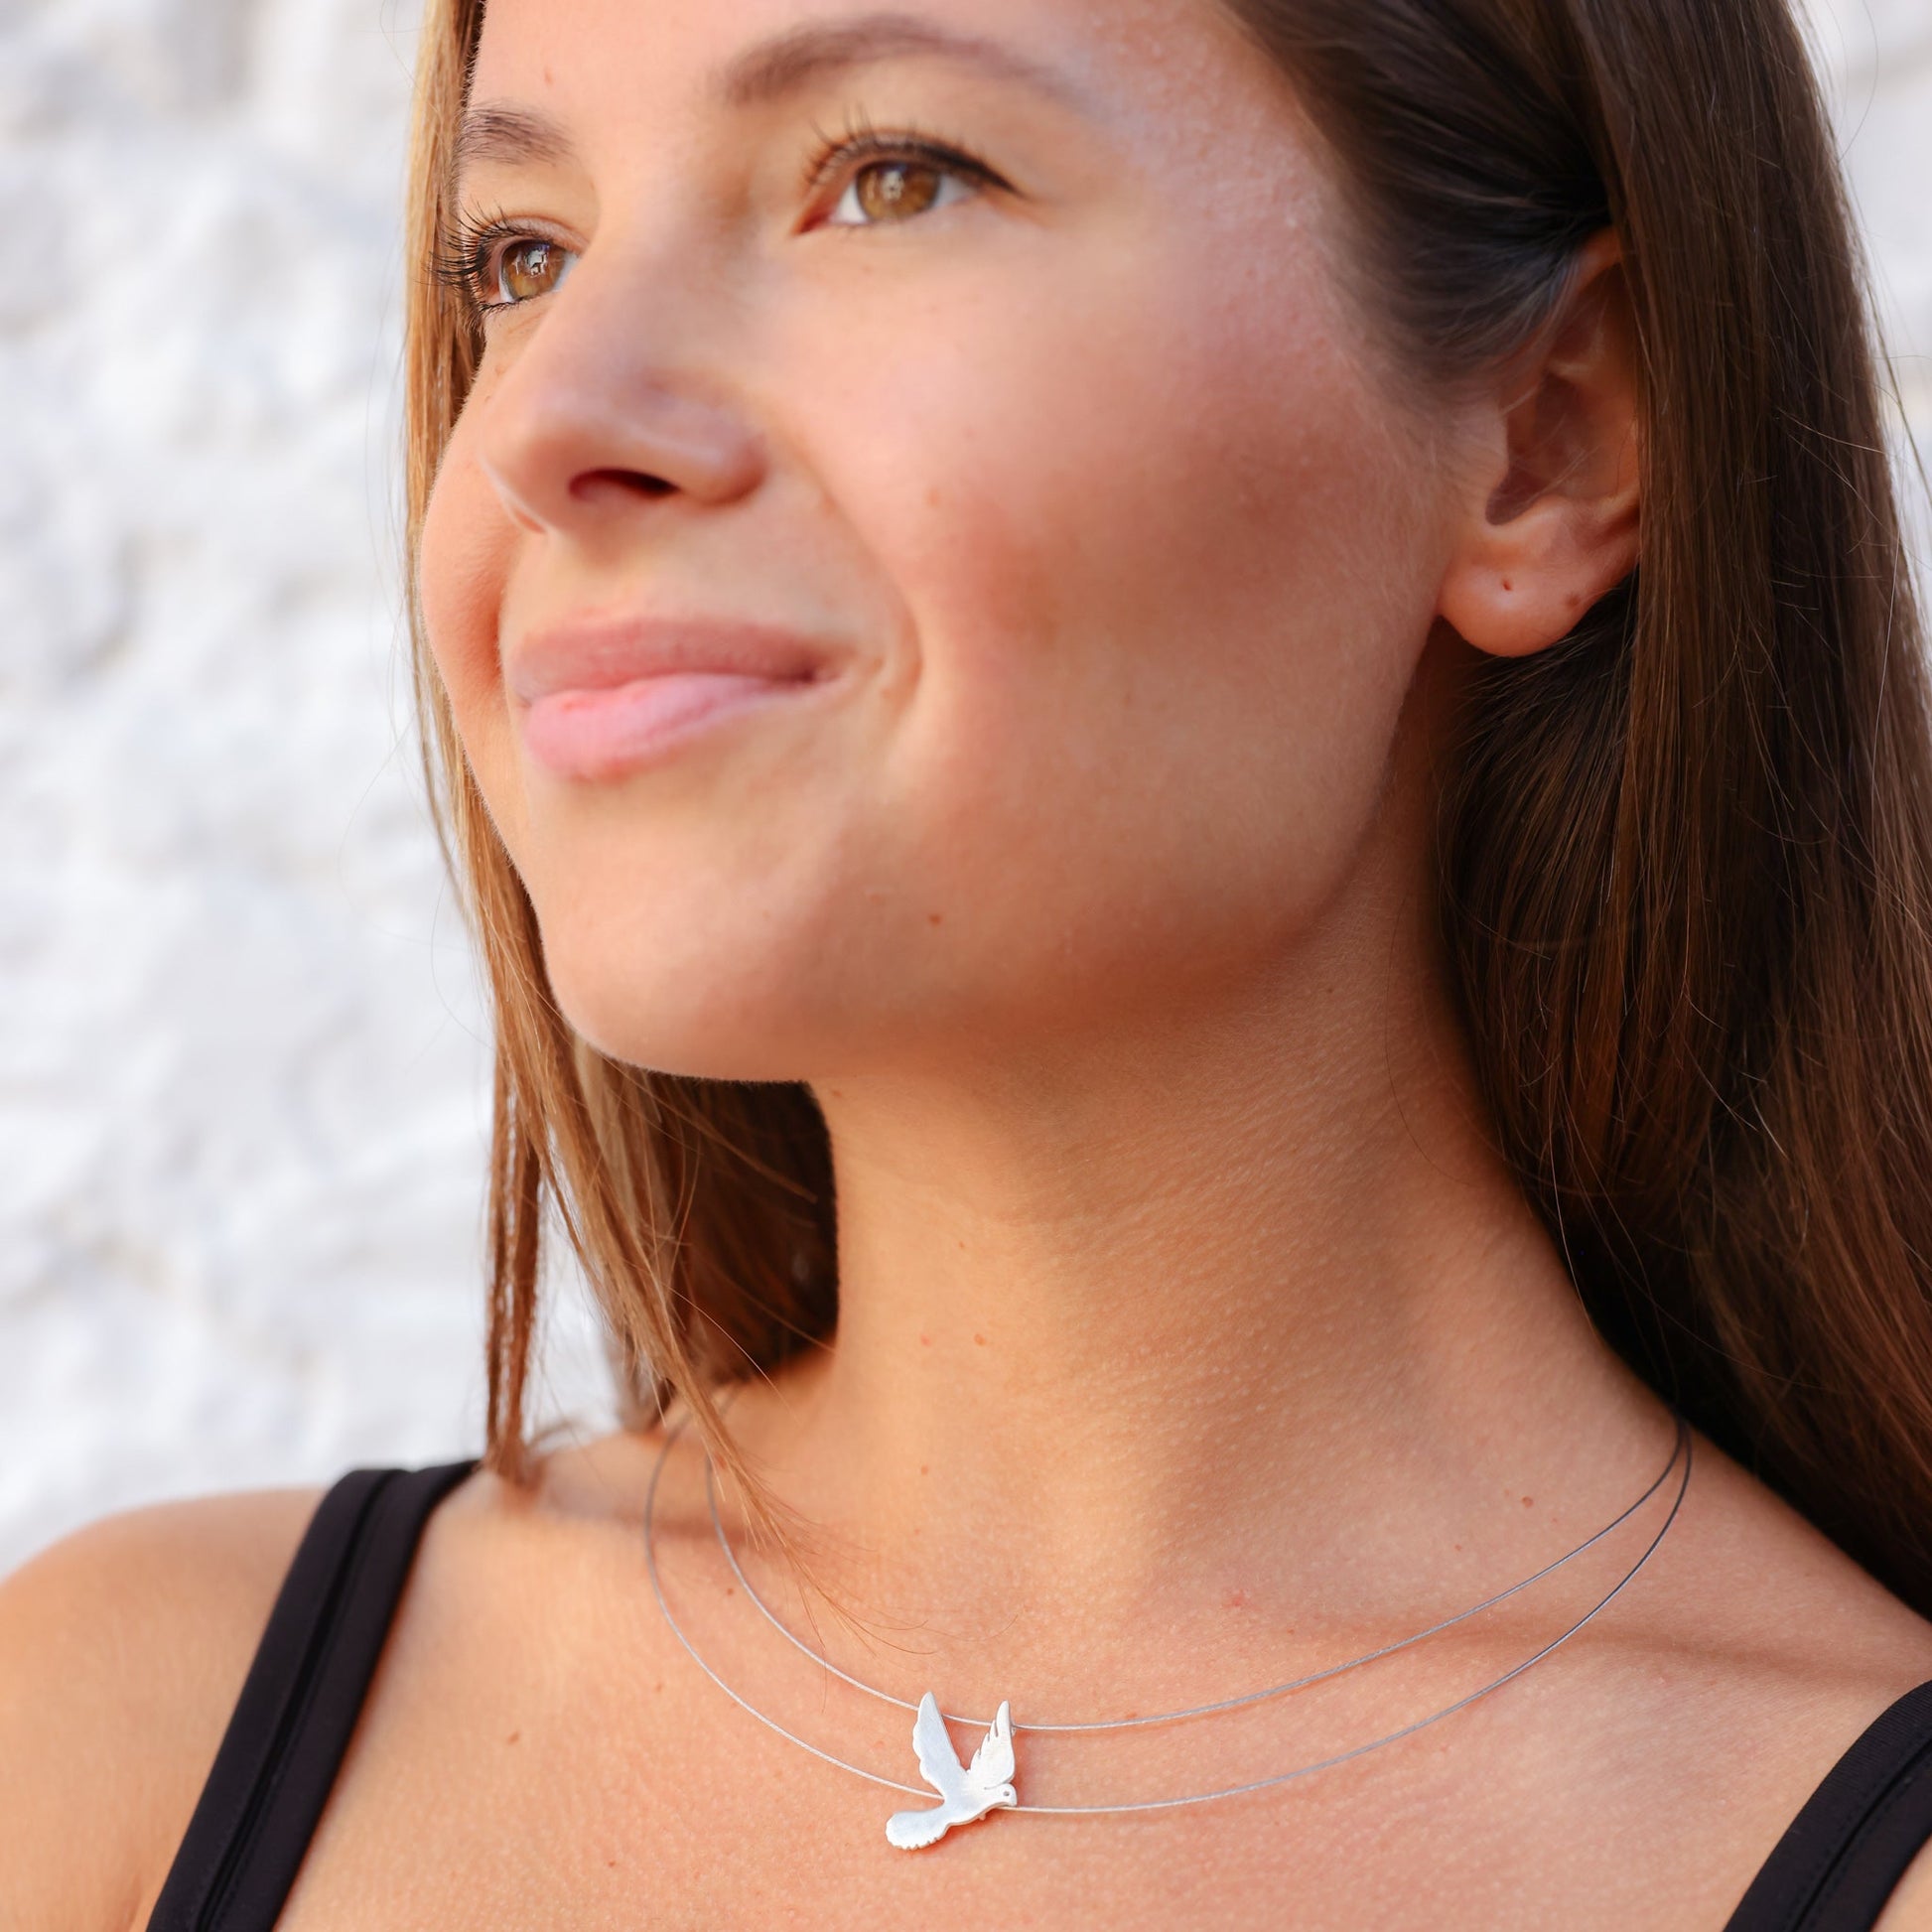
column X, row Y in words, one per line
column 925, row 1342
column 512, row 1737
column 935, row 918
column 981, row 1339
column 1528, row 1500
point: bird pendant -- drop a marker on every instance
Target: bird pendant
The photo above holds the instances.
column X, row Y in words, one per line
column 965, row 1795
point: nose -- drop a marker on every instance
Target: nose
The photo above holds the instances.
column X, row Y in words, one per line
column 600, row 413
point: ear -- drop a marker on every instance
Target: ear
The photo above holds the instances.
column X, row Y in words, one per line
column 1550, row 524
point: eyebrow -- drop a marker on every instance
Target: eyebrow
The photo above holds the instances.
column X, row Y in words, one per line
column 510, row 136
column 794, row 60
column 764, row 74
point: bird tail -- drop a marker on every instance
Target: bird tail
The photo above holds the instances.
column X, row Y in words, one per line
column 914, row 1831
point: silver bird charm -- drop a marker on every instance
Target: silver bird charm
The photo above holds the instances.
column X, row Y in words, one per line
column 984, row 1785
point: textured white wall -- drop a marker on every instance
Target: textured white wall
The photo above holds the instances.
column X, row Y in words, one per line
column 242, row 1101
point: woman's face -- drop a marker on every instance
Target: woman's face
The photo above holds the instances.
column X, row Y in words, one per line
column 927, row 560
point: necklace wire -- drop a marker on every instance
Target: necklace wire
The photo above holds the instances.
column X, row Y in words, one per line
column 1192, row 1710
column 1683, row 1443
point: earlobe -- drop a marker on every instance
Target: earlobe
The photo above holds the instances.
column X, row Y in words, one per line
column 1551, row 518
column 1531, row 585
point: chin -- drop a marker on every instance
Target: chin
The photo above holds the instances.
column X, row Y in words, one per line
column 702, row 1030
column 716, row 1013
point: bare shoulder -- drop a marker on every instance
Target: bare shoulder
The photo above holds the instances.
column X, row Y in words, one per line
column 122, row 1650
column 1761, row 1655
column 1775, row 1592
column 1910, row 1909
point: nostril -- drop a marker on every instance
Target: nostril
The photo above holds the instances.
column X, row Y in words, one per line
column 595, row 484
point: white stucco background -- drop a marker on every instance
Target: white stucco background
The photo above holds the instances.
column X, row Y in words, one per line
column 243, row 1097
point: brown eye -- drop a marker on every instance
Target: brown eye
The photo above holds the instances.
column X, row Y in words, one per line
column 529, row 267
column 891, row 191
column 895, row 187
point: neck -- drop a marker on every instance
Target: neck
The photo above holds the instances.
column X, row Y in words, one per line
column 1201, row 1299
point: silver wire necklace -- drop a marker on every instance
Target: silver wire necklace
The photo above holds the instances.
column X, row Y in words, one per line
column 974, row 1791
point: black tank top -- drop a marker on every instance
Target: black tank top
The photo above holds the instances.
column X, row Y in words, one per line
column 1833, row 1871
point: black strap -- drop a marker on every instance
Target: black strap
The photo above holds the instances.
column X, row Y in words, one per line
column 1842, row 1859
column 298, row 1708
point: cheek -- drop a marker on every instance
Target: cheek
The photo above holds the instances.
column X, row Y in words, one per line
column 1164, row 647
column 462, row 573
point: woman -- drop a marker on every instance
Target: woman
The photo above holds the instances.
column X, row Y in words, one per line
column 1239, row 672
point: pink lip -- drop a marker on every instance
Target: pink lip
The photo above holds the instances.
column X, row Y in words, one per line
column 602, row 698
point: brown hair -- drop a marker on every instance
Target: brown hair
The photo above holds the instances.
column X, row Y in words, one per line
column 1686, row 856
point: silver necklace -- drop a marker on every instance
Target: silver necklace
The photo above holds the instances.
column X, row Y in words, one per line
column 758, row 1603
column 975, row 1791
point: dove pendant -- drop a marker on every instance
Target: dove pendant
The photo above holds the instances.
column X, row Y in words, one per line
column 965, row 1794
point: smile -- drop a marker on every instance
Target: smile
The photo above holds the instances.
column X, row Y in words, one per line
column 601, row 699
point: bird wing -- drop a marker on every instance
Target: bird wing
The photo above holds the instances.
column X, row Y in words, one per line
column 938, row 1761
column 992, row 1764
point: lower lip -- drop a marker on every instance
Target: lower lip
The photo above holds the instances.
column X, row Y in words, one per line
column 606, row 733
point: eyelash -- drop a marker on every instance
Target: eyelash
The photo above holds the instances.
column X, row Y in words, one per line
column 862, row 145
column 465, row 256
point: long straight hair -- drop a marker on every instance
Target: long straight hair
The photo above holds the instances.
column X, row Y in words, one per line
column 1685, row 856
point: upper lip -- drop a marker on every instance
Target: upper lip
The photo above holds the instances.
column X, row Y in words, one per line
column 601, row 654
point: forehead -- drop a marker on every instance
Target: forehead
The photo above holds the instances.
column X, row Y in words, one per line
column 700, row 55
